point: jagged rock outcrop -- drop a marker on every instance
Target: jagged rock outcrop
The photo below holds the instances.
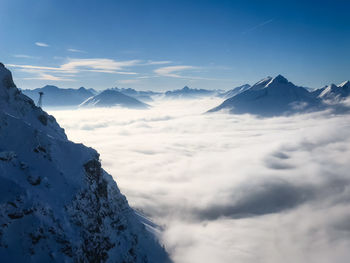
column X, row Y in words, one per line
column 56, row 202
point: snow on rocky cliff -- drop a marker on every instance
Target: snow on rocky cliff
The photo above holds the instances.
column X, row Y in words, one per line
column 56, row 202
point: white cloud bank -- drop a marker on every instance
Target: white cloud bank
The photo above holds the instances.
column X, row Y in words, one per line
column 229, row 188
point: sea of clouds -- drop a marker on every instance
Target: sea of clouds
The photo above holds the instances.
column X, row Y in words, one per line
column 229, row 188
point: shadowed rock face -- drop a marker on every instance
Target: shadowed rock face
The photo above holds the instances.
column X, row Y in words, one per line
column 57, row 204
column 272, row 97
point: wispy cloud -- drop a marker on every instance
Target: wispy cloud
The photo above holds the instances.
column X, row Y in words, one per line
column 74, row 66
column 173, row 71
column 151, row 62
column 258, row 26
column 41, row 44
column 75, row 50
column 45, row 76
column 24, row 56
column 98, row 65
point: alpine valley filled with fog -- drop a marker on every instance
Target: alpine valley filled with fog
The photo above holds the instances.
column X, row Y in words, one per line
column 179, row 131
column 226, row 186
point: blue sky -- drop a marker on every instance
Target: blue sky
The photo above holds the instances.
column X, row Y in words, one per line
column 160, row 45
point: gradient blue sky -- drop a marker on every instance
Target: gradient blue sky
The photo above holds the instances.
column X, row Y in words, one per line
column 160, row 45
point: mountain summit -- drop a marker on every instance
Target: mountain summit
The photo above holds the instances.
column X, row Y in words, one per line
column 333, row 92
column 112, row 97
column 57, row 204
column 271, row 97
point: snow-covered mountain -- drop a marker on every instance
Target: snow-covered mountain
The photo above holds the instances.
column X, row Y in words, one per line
column 187, row 93
column 144, row 96
column 112, row 97
column 271, row 97
column 56, row 202
column 235, row 91
column 54, row 96
column 334, row 92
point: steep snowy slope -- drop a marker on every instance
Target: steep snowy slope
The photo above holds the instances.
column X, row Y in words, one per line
column 56, row 202
column 234, row 91
column 271, row 97
column 334, row 92
column 54, row 96
column 111, row 97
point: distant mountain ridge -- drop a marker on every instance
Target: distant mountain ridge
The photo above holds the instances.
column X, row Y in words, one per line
column 54, row 96
column 188, row 93
column 111, row 98
column 334, row 92
column 272, row 97
column 144, row 96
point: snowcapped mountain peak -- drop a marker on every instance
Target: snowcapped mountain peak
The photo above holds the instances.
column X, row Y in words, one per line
column 271, row 97
column 270, row 82
column 113, row 97
column 261, row 83
column 333, row 92
column 280, row 79
column 345, row 84
column 264, row 81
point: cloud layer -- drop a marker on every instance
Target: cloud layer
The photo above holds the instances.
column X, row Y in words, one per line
column 229, row 188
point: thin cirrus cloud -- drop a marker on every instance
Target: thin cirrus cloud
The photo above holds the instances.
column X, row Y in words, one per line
column 173, row 71
column 75, row 66
column 161, row 62
column 101, row 65
column 44, row 76
column 24, row 56
column 41, row 44
column 76, row 50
